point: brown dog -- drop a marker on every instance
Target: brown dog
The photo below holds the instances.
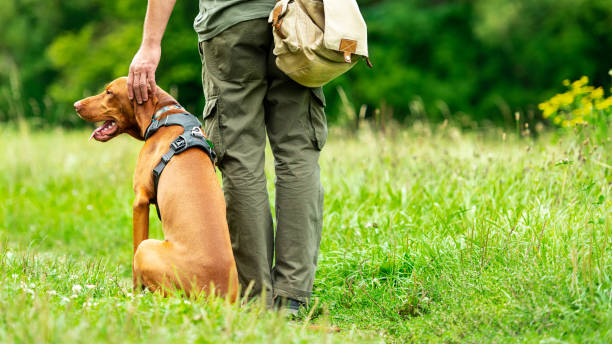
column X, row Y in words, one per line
column 196, row 251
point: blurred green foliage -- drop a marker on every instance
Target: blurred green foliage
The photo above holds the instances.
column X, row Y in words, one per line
column 470, row 60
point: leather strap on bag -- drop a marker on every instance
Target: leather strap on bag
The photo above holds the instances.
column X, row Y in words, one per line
column 277, row 21
column 348, row 47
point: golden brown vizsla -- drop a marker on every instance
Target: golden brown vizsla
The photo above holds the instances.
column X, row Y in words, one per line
column 196, row 251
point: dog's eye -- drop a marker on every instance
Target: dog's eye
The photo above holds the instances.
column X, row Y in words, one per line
column 108, row 92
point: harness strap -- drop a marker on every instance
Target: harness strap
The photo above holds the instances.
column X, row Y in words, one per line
column 186, row 120
column 177, row 146
column 192, row 137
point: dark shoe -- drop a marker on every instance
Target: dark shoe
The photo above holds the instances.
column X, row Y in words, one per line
column 290, row 306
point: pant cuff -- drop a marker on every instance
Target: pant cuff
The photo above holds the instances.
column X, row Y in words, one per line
column 283, row 290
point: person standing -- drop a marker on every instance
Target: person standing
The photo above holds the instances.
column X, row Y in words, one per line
column 247, row 97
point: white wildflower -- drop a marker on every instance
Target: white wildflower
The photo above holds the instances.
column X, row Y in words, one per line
column 90, row 286
column 76, row 288
column 52, row 292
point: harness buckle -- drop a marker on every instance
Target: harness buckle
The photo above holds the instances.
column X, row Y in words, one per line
column 178, row 144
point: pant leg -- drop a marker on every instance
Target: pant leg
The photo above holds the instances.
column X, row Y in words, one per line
column 235, row 84
column 297, row 130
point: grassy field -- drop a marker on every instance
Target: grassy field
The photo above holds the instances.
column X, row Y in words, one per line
column 447, row 237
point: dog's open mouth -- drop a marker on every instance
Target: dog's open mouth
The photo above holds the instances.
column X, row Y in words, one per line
column 104, row 132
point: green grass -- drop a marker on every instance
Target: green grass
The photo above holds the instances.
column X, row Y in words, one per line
column 446, row 237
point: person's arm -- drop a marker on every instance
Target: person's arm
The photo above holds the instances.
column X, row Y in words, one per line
column 144, row 64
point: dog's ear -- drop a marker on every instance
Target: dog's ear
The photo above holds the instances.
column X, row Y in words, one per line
column 163, row 98
column 143, row 113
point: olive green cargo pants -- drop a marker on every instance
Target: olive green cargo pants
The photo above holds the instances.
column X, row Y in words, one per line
column 247, row 96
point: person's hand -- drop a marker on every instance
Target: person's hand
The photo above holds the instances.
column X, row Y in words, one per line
column 142, row 72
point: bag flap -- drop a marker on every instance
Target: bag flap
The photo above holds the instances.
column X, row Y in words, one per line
column 315, row 10
column 345, row 29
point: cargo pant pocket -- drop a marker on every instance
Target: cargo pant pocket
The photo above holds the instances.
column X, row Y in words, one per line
column 318, row 120
column 212, row 127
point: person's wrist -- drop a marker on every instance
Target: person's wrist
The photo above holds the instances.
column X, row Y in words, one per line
column 150, row 44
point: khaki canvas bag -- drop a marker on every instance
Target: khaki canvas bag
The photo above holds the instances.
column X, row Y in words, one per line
column 315, row 41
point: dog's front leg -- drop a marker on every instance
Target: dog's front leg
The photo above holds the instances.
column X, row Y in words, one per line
column 141, row 219
column 140, row 225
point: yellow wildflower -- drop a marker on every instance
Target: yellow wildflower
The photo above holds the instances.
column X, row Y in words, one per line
column 585, row 110
column 604, row 103
column 597, row 93
column 576, row 91
column 577, row 120
column 585, row 101
column 579, row 83
column 566, row 99
column 577, row 105
column 547, row 109
column 562, row 99
column 582, row 90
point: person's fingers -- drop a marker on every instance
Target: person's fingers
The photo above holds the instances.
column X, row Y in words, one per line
column 152, row 83
column 137, row 93
column 143, row 87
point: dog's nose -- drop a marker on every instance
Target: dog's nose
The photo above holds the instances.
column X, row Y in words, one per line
column 77, row 105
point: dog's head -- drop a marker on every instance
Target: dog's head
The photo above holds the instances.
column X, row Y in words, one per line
column 118, row 113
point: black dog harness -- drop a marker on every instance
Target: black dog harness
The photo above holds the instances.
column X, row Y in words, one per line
column 192, row 137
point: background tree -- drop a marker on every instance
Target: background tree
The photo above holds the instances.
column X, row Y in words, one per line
column 477, row 60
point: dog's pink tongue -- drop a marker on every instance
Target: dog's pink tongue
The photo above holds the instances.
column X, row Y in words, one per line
column 98, row 129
